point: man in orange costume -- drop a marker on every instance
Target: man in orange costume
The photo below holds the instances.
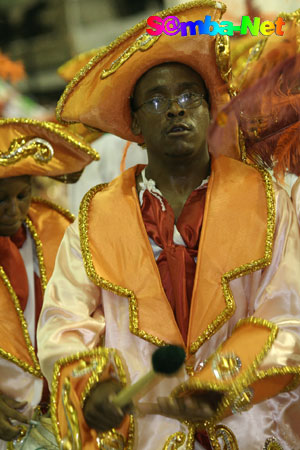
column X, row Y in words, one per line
column 198, row 249
column 30, row 233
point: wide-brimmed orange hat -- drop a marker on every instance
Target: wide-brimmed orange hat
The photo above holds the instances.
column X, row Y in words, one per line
column 31, row 147
column 99, row 95
column 67, row 71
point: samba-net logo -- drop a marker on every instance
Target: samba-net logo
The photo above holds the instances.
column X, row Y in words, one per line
column 171, row 25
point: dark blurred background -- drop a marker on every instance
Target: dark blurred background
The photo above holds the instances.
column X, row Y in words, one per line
column 46, row 33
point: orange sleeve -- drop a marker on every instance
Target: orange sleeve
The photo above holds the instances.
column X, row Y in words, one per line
column 73, row 379
column 234, row 369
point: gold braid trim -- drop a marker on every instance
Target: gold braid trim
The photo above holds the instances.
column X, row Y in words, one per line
column 118, row 41
column 114, row 440
column 43, row 277
column 223, row 60
column 57, row 130
column 102, row 361
column 102, row 356
column 226, row 434
column 272, row 444
column 78, row 59
column 101, row 282
column 295, row 15
column 63, row 211
column 35, row 369
column 234, row 389
column 20, row 148
column 38, row 244
column 39, row 252
column 244, row 269
column 225, row 280
column 177, row 439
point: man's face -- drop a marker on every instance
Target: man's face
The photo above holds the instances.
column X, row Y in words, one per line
column 15, row 197
column 178, row 132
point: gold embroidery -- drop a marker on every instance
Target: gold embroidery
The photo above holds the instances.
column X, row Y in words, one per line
column 114, row 440
column 244, row 269
column 142, row 43
column 100, row 354
column 233, row 390
column 57, row 129
column 40, row 149
column 101, row 363
column 35, row 368
column 229, row 439
column 226, row 365
column 117, row 42
column 175, row 441
column 110, row 441
column 211, row 433
column 73, row 440
column 222, row 49
column 272, row 444
column 243, row 401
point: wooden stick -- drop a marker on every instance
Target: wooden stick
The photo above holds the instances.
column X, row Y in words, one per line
column 126, row 395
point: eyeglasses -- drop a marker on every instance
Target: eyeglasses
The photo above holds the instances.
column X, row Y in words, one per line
column 160, row 104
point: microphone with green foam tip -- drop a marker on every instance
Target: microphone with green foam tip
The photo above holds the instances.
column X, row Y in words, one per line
column 166, row 360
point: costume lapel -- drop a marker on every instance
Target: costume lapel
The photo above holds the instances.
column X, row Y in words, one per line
column 15, row 341
column 118, row 256
column 236, row 239
column 15, row 345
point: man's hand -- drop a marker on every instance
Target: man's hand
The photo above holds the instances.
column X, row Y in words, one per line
column 99, row 412
column 9, row 411
column 194, row 407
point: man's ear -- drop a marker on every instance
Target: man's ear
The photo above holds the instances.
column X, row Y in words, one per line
column 135, row 126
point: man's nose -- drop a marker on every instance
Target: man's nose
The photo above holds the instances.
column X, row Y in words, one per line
column 12, row 207
column 174, row 109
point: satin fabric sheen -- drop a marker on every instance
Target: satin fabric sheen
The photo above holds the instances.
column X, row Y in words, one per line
column 67, row 328
column 296, row 198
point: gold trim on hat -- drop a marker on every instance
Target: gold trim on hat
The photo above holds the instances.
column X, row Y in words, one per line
column 40, row 149
column 119, row 40
column 56, row 129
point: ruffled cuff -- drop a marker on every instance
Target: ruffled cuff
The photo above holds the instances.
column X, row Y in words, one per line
column 73, row 379
column 236, row 370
